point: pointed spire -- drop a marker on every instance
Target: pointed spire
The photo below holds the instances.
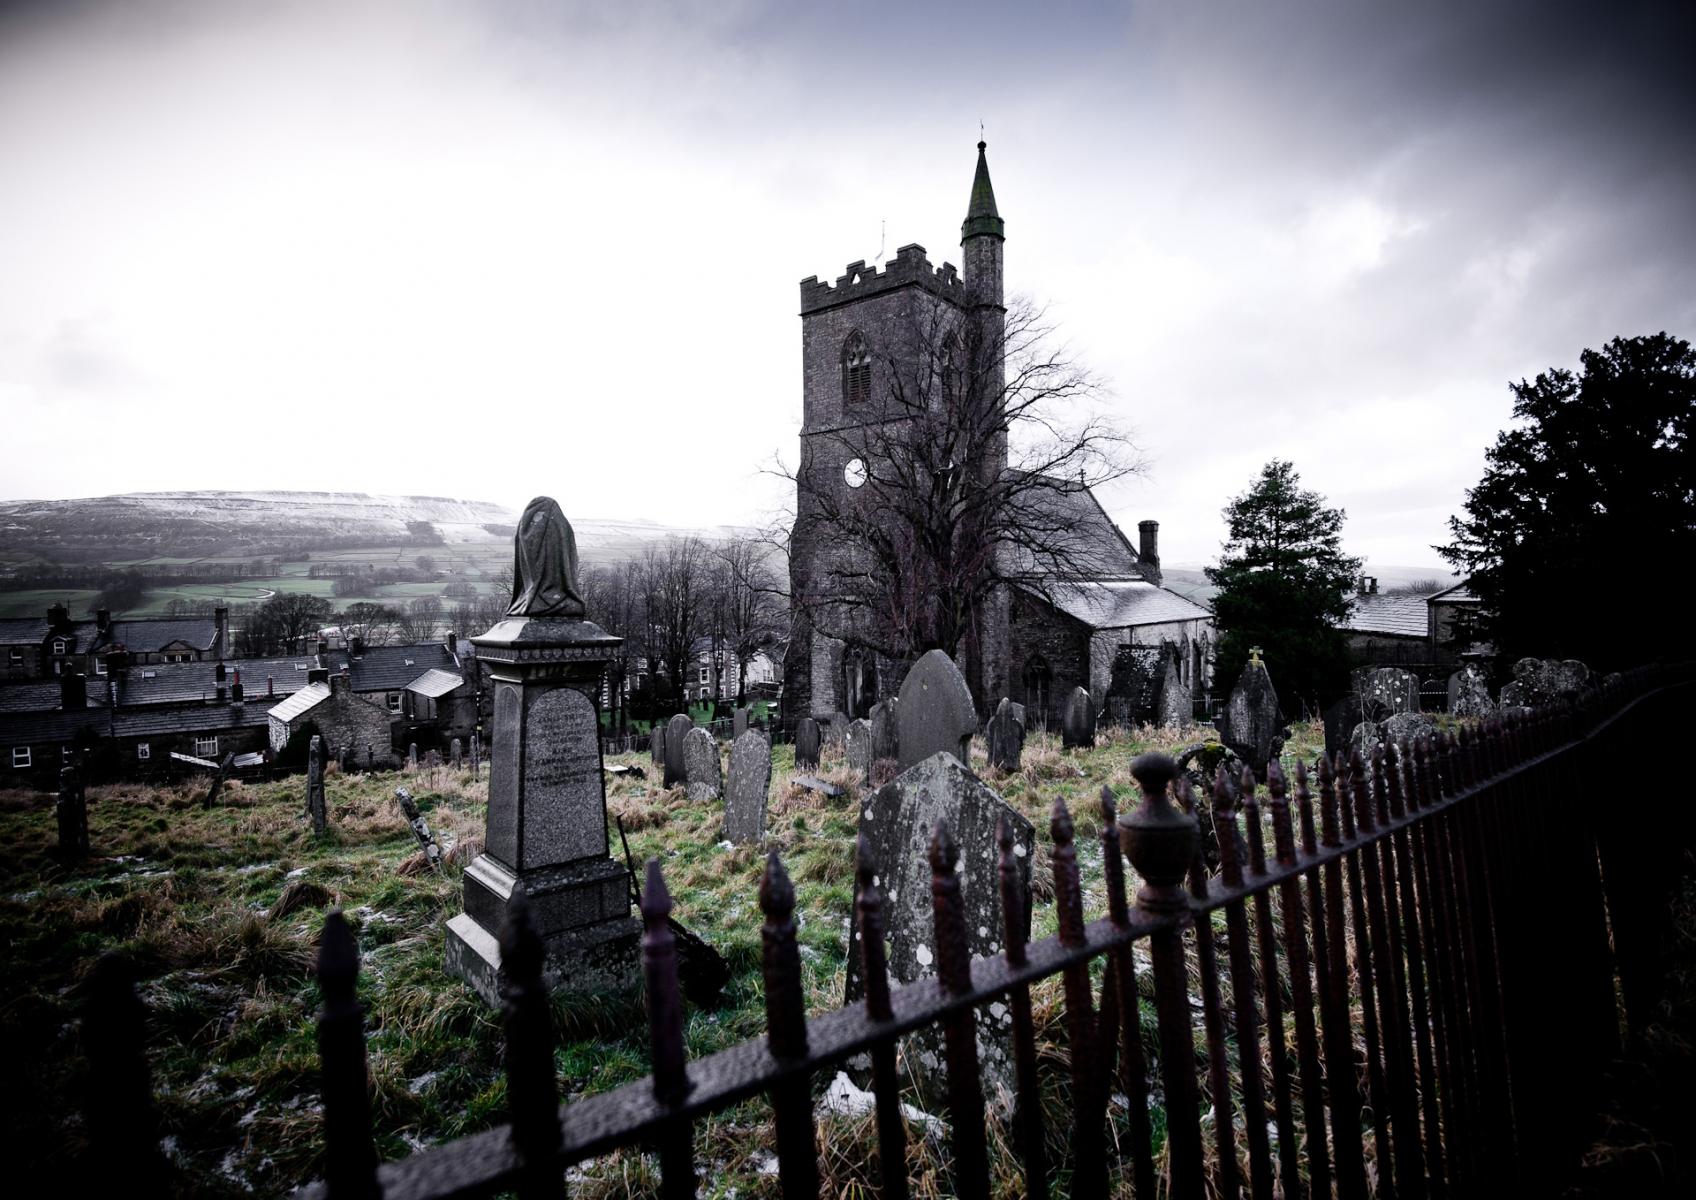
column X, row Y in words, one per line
column 981, row 217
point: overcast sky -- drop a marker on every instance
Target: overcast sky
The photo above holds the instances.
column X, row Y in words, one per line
column 497, row 249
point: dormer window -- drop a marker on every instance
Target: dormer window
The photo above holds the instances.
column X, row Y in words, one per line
column 856, row 370
column 58, row 645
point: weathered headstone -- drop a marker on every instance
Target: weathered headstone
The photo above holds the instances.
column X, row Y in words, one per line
column 1362, row 737
column 1469, row 693
column 344, row 757
column 897, row 823
column 456, row 752
column 746, row 790
column 656, row 747
column 835, row 731
column 71, row 812
column 1006, row 736
column 315, row 783
column 1407, row 727
column 1386, row 691
column 821, row 786
column 223, row 772
column 1544, row 681
column 1340, row 721
column 412, row 757
column 476, row 754
column 1077, row 725
column 420, row 830
column 1252, row 724
column 370, row 757
column 701, row 771
column 886, row 730
column 1177, row 705
column 546, row 828
column 738, row 723
column 859, row 749
column 807, row 743
column 676, row 730
column 936, row 712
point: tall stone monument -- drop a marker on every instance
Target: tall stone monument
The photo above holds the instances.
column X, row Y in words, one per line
column 547, row 828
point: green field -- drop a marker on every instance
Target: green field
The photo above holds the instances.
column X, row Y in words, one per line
column 218, row 909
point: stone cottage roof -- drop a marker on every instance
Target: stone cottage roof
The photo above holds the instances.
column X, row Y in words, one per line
column 19, row 631
column 306, row 699
column 149, row 636
column 434, row 683
column 1387, row 616
column 1121, row 604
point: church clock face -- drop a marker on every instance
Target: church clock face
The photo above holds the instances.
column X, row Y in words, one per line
column 854, row 474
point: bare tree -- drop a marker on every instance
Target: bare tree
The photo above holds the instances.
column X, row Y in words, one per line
column 673, row 575
column 374, row 624
column 751, row 606
column 616, row 600
column 969, row 466
column 419, row 620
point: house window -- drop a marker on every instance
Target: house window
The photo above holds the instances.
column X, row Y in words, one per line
column 703, row 678
column 856, row 370
column 100, row 665
column 143, row 751
column 58, row 645
column 394, row 703
column 20, row 756
column 15, row 656
column 705, row 695
column 206, row 747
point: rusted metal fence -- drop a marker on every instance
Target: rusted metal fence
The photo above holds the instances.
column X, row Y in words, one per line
column 1409, row 962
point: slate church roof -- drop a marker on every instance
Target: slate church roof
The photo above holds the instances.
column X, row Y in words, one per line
column 1067, row 517
column 1121, row 603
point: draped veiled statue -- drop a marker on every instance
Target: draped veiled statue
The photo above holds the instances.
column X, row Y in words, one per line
column 544, row 566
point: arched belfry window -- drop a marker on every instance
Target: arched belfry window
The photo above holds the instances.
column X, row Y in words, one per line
column 856, row 370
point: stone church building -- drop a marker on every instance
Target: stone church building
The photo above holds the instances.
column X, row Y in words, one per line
column 1104, row 623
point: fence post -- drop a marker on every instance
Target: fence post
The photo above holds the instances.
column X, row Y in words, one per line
column 1089, row 1164
column 532, row 1097
column 786, row 1034
column 1133, row 1075
column 959, row 1030
column 1160, row 841
column 1014, row 924
column 1228, row 1182
column 665, row 1030
column 350, row 1158
column 891, row 1133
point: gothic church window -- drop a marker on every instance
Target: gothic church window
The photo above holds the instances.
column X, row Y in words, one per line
column 856, row 370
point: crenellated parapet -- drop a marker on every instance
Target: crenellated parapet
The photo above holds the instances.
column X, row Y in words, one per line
column 909, row 267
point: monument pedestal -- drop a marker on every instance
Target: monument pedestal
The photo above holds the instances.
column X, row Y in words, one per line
column 547, row 828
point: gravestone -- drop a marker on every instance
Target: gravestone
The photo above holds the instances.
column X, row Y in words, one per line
column 412, row 757
column 546, row 826
column 821, row 786
column 1544, row 681
column 676, row 730
column 1407, row 727
column 315, row 783
column 1386, row 691
column 835, row 730
column 807, row 743
column 1133, row 683
column 1363, row 737
column 859, row 749
column 886, row 730
column 701, row 773
column 935, row 712
column 344, row 756
column 1469, row 693
column 420, row 830
column 370, row 757
column 1252, row 724
column 71, row 813
column 456, row 752
column 1006, row 736
column 1077, row 725
column 1340, row 721
column 476, row 754
column 1177, row 705
column 656, row 747
column 897, row 822
column 738, row 723
column 746, row 789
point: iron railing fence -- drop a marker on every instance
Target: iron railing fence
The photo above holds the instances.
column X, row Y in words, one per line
column 1418, row 951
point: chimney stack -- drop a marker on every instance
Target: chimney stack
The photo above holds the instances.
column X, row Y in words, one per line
column 58, row 616
column 1368, row 585
column 218, row 673
column 453, row 642
column 103, row 619
column 356, row 644
column 318, row 675
column 1148, row 535
column 270, row 685
column 73, row 691
column 235, row 688
column 118, row 661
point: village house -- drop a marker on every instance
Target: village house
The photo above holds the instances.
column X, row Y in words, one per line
column 35, row 649
column 1430, row 633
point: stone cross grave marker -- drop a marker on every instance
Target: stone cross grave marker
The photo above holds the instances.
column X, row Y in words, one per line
column 676, row 730
column 1252, row 725
column 807, row 743
column 747, row 788
column 1077, row 725
column 701, row 766
column 1006, row 736
column 936, row 712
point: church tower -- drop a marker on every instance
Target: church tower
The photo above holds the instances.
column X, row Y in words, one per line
column 856, row 335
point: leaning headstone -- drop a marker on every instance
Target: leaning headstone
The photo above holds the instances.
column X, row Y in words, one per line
column 71, row 812
column 1252, row 724
column 420, row 830
column 1077, row 725
column 1469, row 693
column 1386, row 691
column 656, row 746
column 886, row 731
column 896, row 824
column 701, row 772
column 936, row 712
column 823, row 787
column 545, row 832
column 1177, row 705
column 676, row 730
column 738, row 723
column 1544, row 681
column 859, row 749
column 456, row 753
column 315, row 783
column 807, row 743
column 1340, row 721
column 746, row 789
column 1006, row 736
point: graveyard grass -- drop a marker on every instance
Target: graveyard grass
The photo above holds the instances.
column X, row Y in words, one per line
column 219, row 909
